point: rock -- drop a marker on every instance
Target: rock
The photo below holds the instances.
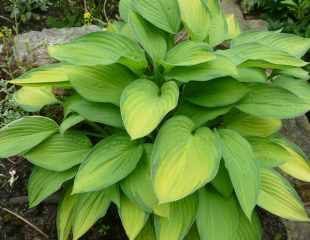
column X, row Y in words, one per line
column 31, row 47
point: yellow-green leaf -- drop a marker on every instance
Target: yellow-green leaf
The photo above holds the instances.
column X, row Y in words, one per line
column 144, row 105
column 251, row 74
column 222, row 182
column 147, row 232
column 70, row 121
column 233, row 26
column 248, row 230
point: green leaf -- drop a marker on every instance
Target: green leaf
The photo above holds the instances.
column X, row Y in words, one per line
column 188, row 53
column 110, row 161
column 113, row 193
column 294, row 72
column 195, row 18
column 138, row 185
column 25, row 133
column 133, row 218
column 144, row 105
column 60, row 152
column 101, row 83
column 248, row 230
column 222, row 182
column 242, row 167
column 279, row 197
column 233, row 26
column 290, row 43
column 193, row 234
column 100, row 48
column 164, row 14
column 162, row 210
column 43, row 183
column 258, row 55
column 186, row 150
column 219, row 67
column 89, row 208
column 249, row 125
column 216, row 93
column 147, row 232
column 70, row 121
column 272, row 102
column 32, row 99
column 96, row 112
column 217, row 217
column 201, row 115
column 246, row 74
column 150, row 38
column 299, row 87
column 182, row 217
column 125, row 6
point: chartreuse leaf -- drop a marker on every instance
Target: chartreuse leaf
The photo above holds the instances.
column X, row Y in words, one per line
column 144, row 105
column 294, row 72
column 162, row 210
column 113, row 193
column 249, row 125
column 70, row 121
column 164, row 14
column 248, row 230
column 201, row 115
column 25, row 133
column 88, row 209
column 196, row 150
column 217, row 216
column 147, row 232
column 151, row 38
column 101, row 83
column 60, row 152
column 65, row 214
column 299, row 87
column 100, row 48
column 193, row 234
column 125, row 6
column 279, row 197
column 290, row 43
column 272, row 102
column 242, row 168
column 138, row 185
column 222, row 182
column 111, row 160
column 182, row 217
column 195, row 17
column 189, row 53
column 133, row 217
column 42, row 183
column 219, row 67
column 216, row 93
column 258, row 55
column 233, row 26
column 247, row 74
column 32, row 99
column 96, row 112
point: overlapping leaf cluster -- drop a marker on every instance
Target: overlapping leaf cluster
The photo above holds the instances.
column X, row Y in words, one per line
column 173, row 117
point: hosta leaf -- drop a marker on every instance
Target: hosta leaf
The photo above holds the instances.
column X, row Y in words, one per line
column 164, row 14
column 196, row 150
column 217, row 216
column 162, row 210
column 113, row 193
column 60, row 152
column 290, row 43
column 219, row 67
column 96, row 112
column 233, row 26
column 101, row 83
column 151, row 39
column 299, row 87
column 182, row 216
column 111, row 160
column 138, row 185
column 222, row 182
column 88, row 209
column 272, row 102
column 25, row 133
column 294, row 72
column 42, row 183
column 147, row 232
column 100, row 48
column 246, row 74
column 249, row 125
column 65, row 214
column 144, row 105
column 70, row 121
column 189, row 53
column 193, row 234
column 279, row 197
column 216, row 93
column 125, row 6
column 32, row 99
column 195, row 17
column 248, row 230
column 201, row 115
column 242, row 167
column 133, row 218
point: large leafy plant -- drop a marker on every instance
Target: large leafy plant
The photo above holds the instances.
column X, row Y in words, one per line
column 173, row 116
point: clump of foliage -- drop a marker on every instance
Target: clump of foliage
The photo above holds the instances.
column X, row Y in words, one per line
column 173, row 117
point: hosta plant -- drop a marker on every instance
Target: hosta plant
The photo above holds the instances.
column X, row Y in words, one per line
column 172, row 115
